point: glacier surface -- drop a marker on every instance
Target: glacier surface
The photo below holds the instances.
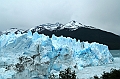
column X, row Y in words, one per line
column 36, row 56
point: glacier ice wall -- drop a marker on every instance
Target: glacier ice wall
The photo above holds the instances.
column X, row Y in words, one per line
column 38, row 55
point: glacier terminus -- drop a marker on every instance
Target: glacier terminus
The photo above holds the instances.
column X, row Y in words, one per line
column 36, row 56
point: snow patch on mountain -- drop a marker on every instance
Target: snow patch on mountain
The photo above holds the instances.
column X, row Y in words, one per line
column 73, row 25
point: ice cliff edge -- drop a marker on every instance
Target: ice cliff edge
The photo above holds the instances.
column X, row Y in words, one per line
column 43, row 55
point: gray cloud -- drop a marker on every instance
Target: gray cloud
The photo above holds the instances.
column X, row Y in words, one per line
column 25, row 14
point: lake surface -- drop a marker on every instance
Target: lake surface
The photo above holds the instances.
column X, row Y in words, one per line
column 115, row 53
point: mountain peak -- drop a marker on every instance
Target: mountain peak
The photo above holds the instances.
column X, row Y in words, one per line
column 72, row 25
column 14, row 30
column 74, row 22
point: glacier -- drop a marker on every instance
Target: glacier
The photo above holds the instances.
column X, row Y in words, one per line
column 36, row 56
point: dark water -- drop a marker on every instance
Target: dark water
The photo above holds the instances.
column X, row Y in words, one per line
column 115, row 53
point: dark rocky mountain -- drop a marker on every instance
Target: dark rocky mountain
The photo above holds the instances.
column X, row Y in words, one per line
column 84, row 33
column 76, row 30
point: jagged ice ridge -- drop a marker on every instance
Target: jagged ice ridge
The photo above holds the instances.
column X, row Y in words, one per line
column 39, row 54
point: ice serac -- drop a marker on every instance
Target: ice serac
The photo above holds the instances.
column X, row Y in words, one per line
column 37, row 55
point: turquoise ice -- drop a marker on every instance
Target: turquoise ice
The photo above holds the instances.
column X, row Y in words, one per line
column 52, row 54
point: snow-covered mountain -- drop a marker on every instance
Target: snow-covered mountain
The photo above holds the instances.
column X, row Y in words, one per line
column 72, row 25
column 14, row 30
column 32, row 55
column 79, row 31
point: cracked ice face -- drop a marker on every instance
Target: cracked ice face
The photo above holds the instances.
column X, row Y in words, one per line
column 50, row 54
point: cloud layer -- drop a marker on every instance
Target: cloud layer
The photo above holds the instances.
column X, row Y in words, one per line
column 103, row 14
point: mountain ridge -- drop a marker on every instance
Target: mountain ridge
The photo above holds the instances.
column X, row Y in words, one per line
column 76, row 30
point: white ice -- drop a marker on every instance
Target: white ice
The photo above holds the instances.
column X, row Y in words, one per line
column 54, row 54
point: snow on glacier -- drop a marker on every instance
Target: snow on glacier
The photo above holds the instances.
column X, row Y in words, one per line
column 52, row 54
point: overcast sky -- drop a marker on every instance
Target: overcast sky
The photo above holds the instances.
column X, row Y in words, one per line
column 24, row 14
